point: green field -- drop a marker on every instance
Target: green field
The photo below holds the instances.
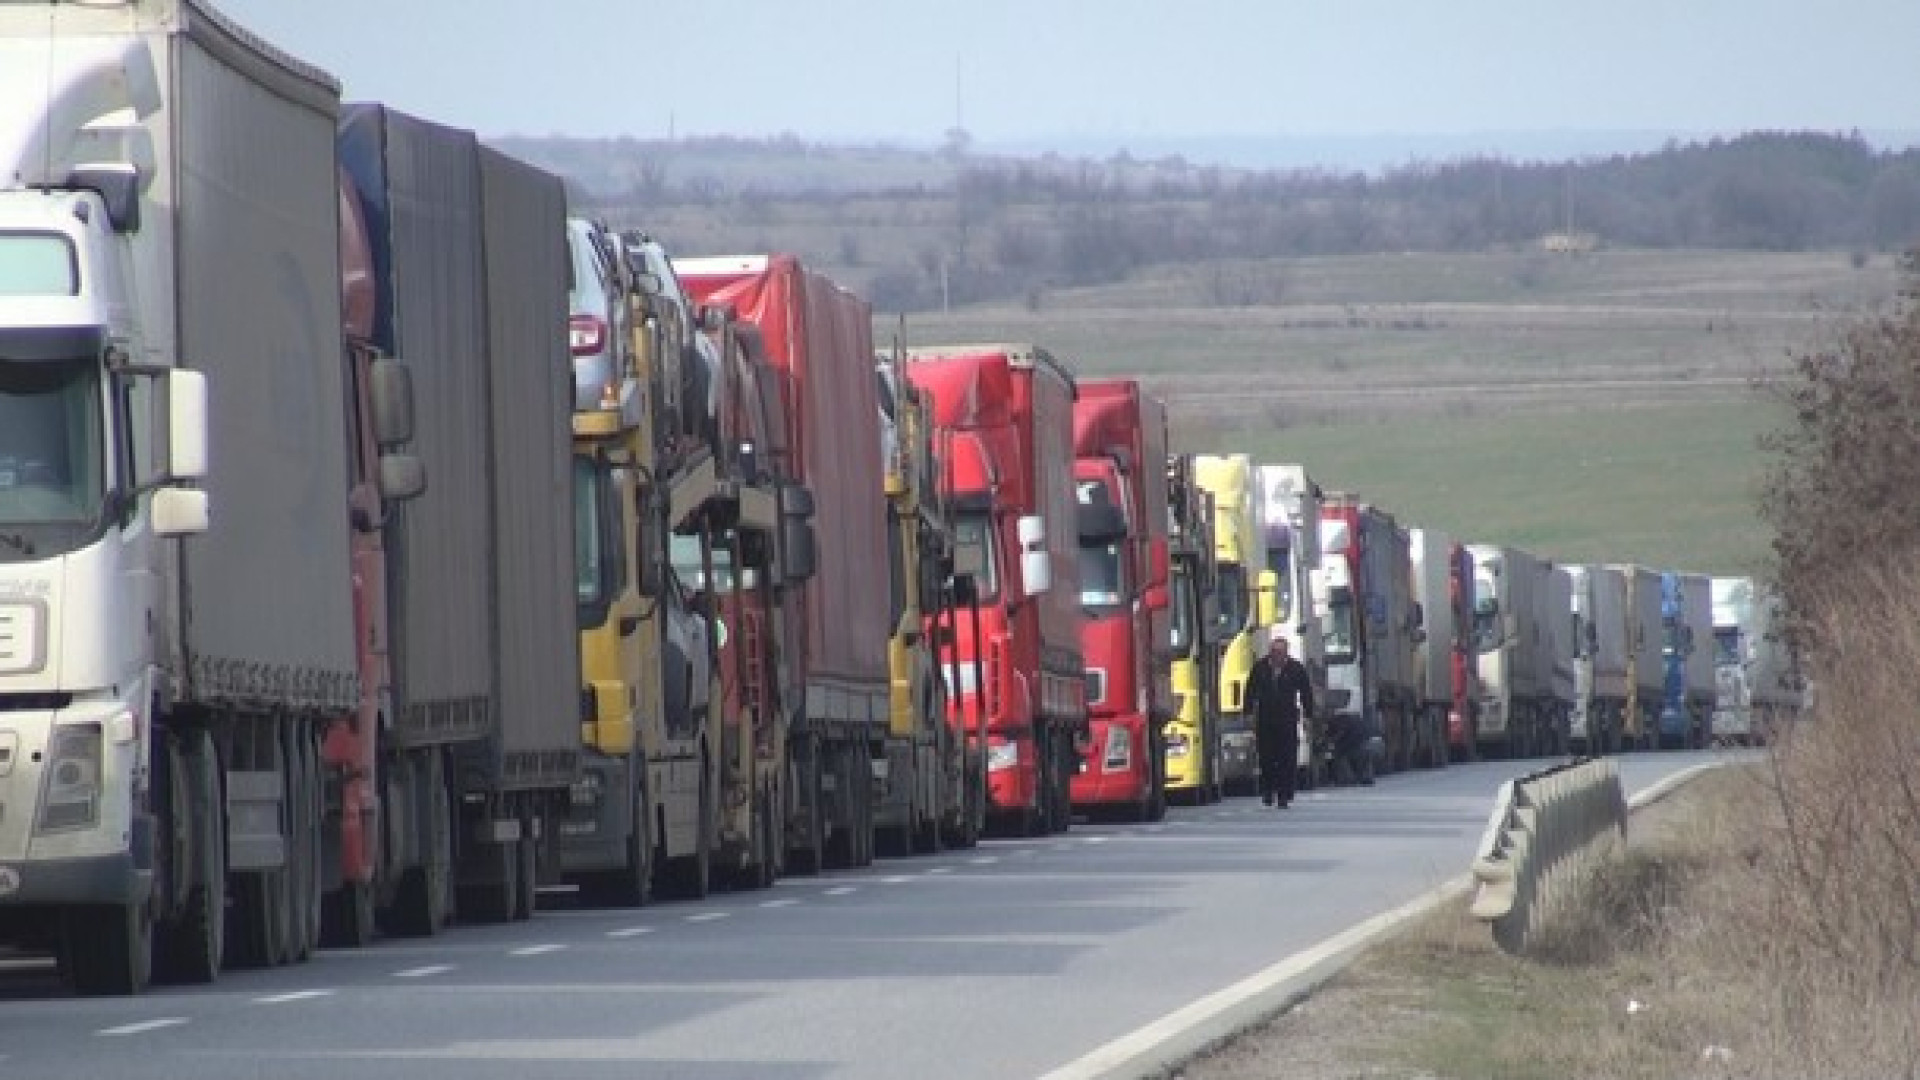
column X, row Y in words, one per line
column 1599, row 408
column 1669, row 486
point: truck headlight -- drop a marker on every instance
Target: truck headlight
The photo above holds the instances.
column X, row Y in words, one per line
column 1119, row 749
column 585, row 791
column 1003, row 756
column 72, row 796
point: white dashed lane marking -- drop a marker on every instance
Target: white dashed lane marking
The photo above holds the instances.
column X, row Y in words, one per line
column 783, row 902
column 630, row 931
column 536, row 950
column 143, row 1026
column 423, row 972
column 296, row 995
column 841, row 890
column 707, row 916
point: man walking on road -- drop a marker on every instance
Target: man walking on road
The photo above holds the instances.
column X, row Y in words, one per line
column 1279, row 693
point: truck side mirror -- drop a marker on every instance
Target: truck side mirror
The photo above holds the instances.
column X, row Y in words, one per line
column 402, row 477
column 179, row 511
column 390, row 390
column 186, row 425
column 1036, row 572
column 799, row 549
column 1036, row 563
column 1158, row 570
column 649, row 555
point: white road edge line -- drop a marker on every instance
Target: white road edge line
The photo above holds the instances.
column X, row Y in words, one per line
column 1177, row 1036
column 536, row 950
column 291, row 996
column 423, row 972
column 142, row 1027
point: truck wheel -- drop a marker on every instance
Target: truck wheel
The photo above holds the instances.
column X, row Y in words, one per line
column 256, row 920
column 808, row 861
column 529, row 899
column 420, row 908
column 633, row 886
column 304, row 871
column 109, row 949
column 192, row 945
column 690, row 877
column 346, row 916
column 766, row 843
column 493, row 898
column 861, row 766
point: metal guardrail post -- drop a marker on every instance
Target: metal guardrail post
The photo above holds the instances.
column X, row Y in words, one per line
column 1545, row 830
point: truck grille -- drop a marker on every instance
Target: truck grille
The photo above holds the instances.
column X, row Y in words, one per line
column 22, row 637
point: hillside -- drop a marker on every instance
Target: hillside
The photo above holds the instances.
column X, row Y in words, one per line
column 1594, row 401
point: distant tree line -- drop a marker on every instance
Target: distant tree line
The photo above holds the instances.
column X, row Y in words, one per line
column 1019, row 227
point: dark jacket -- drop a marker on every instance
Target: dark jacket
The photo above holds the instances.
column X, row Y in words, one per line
column 1272, row 694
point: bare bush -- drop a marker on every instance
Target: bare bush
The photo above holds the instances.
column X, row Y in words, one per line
column 1844, row 488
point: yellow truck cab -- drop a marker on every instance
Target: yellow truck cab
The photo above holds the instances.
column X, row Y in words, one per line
column 1238, row 558
column 1193, row 735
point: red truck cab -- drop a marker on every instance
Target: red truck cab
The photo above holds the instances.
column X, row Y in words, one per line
column 1121, row 525
column 1004, row 418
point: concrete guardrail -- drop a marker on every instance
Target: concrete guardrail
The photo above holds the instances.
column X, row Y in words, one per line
column 1545, row 830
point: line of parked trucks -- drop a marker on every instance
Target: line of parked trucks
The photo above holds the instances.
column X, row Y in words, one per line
column 381, row 545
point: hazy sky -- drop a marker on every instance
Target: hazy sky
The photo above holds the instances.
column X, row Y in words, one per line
column 1150, row 71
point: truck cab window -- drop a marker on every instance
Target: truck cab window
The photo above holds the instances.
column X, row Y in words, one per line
column 51, row 443
column 973, row 553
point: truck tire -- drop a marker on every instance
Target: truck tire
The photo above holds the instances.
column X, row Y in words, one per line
column 346, row 916
column 860, row 767
column 421, row 904
column 529, row 852
column 765, row 868
column 255, row 932
column 495, row 894
column 631, row 886
column 810, row 860
column 108, row 949
column 304, row 868
column 690, row 877
column 191, row 947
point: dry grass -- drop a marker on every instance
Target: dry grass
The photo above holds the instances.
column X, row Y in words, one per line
column 1764, row 923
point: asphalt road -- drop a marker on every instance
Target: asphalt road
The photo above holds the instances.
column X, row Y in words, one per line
column 1005, row 961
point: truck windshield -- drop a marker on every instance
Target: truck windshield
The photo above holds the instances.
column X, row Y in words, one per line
column 37, row 264
column 1486, row 618
column 1230, row 588
column 1726, row 646
column 51, row 461
column 687, row 564
column 1337, row 630
column 1103, row 577
column 1280, row 561
column 1183, row 610
column 973, row 553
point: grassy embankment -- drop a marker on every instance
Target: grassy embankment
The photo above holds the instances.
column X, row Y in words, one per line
column 1764, row 923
